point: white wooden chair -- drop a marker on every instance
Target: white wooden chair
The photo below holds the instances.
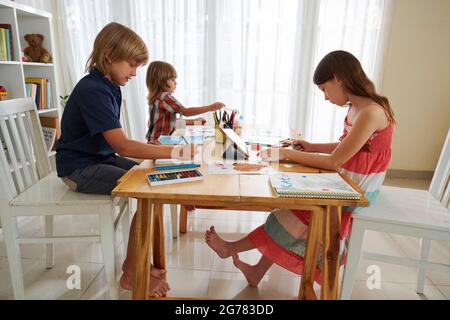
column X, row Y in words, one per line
column 28, row 188
column 409, row 212
column 126, row 124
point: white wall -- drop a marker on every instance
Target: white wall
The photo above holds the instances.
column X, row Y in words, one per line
column 417, row 81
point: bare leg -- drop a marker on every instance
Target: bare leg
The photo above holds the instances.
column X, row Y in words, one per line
column 225, row 249
column 255, row 273
column 158, row 287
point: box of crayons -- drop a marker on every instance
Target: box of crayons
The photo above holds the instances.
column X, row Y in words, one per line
column 157, row 179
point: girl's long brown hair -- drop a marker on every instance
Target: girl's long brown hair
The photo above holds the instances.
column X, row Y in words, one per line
column 348, row 69
column 157, row 75
column 119, row 43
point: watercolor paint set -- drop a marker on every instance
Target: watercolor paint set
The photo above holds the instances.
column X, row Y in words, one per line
column 157, row 179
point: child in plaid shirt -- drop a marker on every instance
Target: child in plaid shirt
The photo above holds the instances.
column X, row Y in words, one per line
column 163, row 107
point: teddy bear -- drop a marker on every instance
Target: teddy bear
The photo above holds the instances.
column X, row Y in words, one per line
column 36, row 52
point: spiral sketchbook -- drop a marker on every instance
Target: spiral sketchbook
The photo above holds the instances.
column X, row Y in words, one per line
column 313, row 185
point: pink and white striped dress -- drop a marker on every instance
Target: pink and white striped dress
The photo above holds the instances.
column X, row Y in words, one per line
column 367, row 168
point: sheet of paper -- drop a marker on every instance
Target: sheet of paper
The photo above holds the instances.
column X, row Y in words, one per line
column 239, row 167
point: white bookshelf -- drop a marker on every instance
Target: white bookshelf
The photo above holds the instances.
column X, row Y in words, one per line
column 24, row 20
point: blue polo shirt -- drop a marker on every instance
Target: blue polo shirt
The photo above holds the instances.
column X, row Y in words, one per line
column 93, row 108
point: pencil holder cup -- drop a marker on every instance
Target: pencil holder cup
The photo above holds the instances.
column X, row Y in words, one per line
column 220, row 136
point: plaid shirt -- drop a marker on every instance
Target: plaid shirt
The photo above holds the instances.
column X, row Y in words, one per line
column 162, row 116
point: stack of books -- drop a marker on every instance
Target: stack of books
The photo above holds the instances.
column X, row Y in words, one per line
column 40, row 90
column 6, row 44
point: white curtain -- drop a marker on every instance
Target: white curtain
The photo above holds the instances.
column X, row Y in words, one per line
column 257, row 56
column 77, row 24
column 45, row 5
column 360, row 27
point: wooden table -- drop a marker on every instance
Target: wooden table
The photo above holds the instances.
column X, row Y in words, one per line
column 233, row 191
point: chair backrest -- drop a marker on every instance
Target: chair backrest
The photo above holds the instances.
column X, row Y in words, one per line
column 23, row 156
column 440, row 184
column 125, row 119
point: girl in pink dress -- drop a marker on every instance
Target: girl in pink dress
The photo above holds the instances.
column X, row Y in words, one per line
column 362, row 153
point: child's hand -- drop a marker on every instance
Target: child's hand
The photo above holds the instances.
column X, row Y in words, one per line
column 302, row 145
column 184, row 152
column 153, row 142
column 216, row 106
column 272, row 154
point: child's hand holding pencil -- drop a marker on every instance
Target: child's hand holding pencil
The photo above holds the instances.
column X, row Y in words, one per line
column 302, row 145
column 299, row 145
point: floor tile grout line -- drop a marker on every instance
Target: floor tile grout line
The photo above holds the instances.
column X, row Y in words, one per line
column 209, row 281
column 92, row 282
column 441, row 292
column 210, row 276
column 400, row 282
column 43, row 259
column 404, row 251
column 412, row 283
column 227, row 272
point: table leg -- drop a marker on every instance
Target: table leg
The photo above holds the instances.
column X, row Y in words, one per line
column 183, row 219
column 330, row 256
column 144, row 238
column 312, row 249
column 159, row 254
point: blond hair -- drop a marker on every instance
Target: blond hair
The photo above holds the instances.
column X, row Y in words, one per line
column 118, row 43
column 157, row 75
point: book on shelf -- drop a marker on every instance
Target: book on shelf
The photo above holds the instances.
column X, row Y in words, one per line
column 43, row 92
column 3, row 50
column 8, row 41
column 49, row 137
column 48, row 94
column 8, row 46
column 313, row 185
column 32, row 91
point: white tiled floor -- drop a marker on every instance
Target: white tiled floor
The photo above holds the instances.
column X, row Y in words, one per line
column 194, row 271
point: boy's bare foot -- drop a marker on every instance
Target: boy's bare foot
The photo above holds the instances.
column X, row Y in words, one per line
column 157, row 288
column 220, row 246
column 157, row 273
column 250, row 272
